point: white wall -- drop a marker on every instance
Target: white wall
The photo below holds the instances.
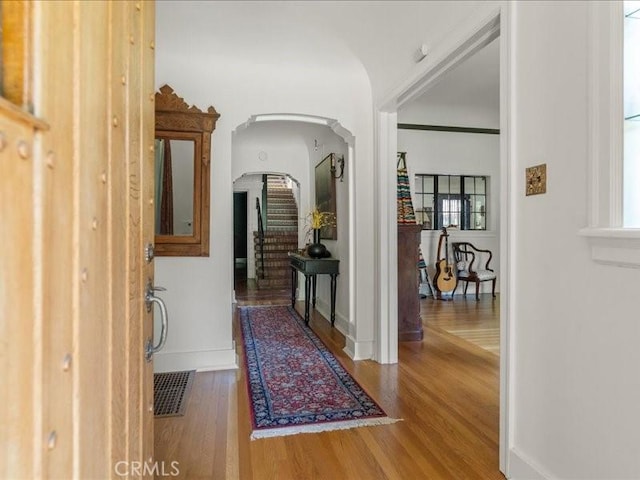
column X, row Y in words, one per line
column 430, row 152
column 329, row 142
column 199, row 295
column 575, row 356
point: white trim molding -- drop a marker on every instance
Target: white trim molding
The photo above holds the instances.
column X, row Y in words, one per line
column 605, row 114
column 523, row 468
column 355, row 349
column 614, row 246
column 358, row 350
column 342, row 322
column 610, row 243
column 386, row 247
column 202, row 361
column 508, row 222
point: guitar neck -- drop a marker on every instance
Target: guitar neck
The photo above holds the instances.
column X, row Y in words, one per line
column 444, row 235
column 446, row 248
column 439, row 248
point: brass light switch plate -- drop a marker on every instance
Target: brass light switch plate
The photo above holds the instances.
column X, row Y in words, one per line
column 537, row 179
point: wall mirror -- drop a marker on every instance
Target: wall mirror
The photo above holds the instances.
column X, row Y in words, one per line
column 182, row 161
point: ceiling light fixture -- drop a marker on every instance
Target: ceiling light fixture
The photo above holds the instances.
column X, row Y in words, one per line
column 422, row 52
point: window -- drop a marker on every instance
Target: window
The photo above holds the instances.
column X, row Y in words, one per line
column 631, row 96
column 451, row 201
column 613, row 228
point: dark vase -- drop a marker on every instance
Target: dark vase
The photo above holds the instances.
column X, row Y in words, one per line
column 317, row 250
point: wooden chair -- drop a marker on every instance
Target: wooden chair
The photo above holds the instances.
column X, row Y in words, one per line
column 469, row 266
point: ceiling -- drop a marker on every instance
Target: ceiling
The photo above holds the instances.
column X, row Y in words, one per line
column 346, row 38
column 336, row 37
column 474, row 84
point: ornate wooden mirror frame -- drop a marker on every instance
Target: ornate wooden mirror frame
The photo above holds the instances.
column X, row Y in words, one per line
column 176, row 120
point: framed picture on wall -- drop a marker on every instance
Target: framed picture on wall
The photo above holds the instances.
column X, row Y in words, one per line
column 326, row 194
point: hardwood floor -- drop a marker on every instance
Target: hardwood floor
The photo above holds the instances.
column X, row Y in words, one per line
column 444, row 388
column 247, row 292
column 477, row 322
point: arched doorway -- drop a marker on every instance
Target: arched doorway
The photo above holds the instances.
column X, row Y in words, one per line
column 293, row 145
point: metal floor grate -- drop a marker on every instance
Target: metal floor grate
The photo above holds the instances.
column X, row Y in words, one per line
column 170, row 392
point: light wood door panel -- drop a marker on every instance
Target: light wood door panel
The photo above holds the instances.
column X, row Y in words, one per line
column 146, row 100
column 18, row 323
column 76, row 215
column 120, row 234
column 91, row 366
column 58, row 168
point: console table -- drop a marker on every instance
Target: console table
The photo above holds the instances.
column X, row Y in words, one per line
column 310, row 267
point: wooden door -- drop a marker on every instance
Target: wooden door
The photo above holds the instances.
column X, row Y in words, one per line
column 76, row 185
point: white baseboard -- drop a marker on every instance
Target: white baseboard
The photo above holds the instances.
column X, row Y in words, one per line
column 202, row 361
column 523, row 468
column 356, row 350
column 342, row 322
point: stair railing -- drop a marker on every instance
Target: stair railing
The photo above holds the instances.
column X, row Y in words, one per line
column 260, row 237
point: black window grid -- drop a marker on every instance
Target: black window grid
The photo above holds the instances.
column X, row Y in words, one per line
column 437, row 208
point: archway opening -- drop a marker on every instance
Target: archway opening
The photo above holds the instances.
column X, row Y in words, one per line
column 271, row 148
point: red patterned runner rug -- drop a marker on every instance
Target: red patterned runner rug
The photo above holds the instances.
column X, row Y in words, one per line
column 295, row 383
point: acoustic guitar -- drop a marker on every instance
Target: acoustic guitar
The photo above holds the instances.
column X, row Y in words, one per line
column 445, row 279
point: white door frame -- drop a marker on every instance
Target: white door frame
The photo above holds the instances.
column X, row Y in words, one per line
column 457, row 47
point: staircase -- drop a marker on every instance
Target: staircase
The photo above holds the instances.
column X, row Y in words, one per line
column 280, row 236
column 282, row 211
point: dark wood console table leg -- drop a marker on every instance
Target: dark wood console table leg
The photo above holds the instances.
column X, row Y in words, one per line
column 294, row 285
column 307, row 294
column 311, row 268
column 333, row 298
column 313, row 286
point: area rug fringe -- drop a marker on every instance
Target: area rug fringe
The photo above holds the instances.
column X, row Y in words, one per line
column 322, row 427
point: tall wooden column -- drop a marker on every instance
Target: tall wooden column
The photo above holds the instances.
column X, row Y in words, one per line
column 409, row 322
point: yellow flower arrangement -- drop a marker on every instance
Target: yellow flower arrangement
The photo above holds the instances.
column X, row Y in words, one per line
column 322, row 219
column 317, row 220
